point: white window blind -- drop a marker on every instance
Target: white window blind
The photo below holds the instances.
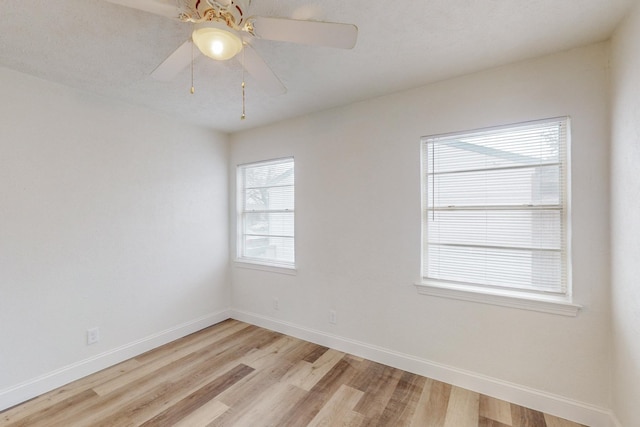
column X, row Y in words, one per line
column 495, row 207
column 266, row 213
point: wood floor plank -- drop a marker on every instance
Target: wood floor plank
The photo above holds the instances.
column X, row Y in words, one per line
column 438, row 404
column 136, row 411
column 204, row 415
column 402, row 404
column 307, row 351
column 240, row 397
column 336, row 411
column 495, row 409
column 199, row 398
column 271, row 406
column 308, row 407
column 53, row 397
column 236, row 375
column 421, row 415
column 159, row 401
column 261, row 358
column 463, row 408
column 524, row 417
column 305, row 375
column 167, row 358
column 179, row 378
column 559, row 422
column 196, row 340
column 487, row 422
column 314, row 355
column 378, row 383
column 222, row 363
column 354, row 419
column 55, row 414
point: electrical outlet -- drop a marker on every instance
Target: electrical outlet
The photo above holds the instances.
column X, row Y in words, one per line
column 332, row 317
column 276, row 304
column 93, row 335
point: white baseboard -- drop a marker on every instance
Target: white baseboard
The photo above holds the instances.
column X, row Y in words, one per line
column 559, row 406
column 52, row 380
column 531, row 398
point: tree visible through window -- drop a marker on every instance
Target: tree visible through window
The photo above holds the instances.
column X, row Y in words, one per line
column 266, row 213
column 495, row 207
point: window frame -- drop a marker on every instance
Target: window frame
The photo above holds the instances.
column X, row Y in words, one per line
column 264, row 264
column 548, row 302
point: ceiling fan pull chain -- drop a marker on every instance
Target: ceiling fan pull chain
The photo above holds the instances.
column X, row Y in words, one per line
column 193, row 58
column 242, row 117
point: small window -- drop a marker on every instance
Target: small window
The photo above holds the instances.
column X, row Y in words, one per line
column 266, row 213
column 495, row 209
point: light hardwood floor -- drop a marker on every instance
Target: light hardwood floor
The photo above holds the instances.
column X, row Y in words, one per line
column 235, row 374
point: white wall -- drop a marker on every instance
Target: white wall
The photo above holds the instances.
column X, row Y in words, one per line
column 358, row 227
column 111, row 216
column 625, row 219
column 116, row 217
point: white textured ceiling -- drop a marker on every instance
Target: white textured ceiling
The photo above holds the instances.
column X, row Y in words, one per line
column 110, row 50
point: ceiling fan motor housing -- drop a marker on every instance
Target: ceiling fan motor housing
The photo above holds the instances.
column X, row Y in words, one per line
column 231, row 12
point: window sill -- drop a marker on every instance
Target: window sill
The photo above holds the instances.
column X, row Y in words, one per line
column 521, row 300
column 251, row 265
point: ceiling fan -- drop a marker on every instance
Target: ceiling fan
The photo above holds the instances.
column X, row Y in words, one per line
column 221, row 30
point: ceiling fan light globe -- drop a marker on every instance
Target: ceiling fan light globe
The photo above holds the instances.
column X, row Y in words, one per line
column 217, row 43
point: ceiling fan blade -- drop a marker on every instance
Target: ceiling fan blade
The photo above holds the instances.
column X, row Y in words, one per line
column 260, row 71
column 176, row 62
column 330, row 34
column 165, row 8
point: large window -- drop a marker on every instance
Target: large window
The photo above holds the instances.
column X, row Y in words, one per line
column 266, row 213
column 495, row 209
